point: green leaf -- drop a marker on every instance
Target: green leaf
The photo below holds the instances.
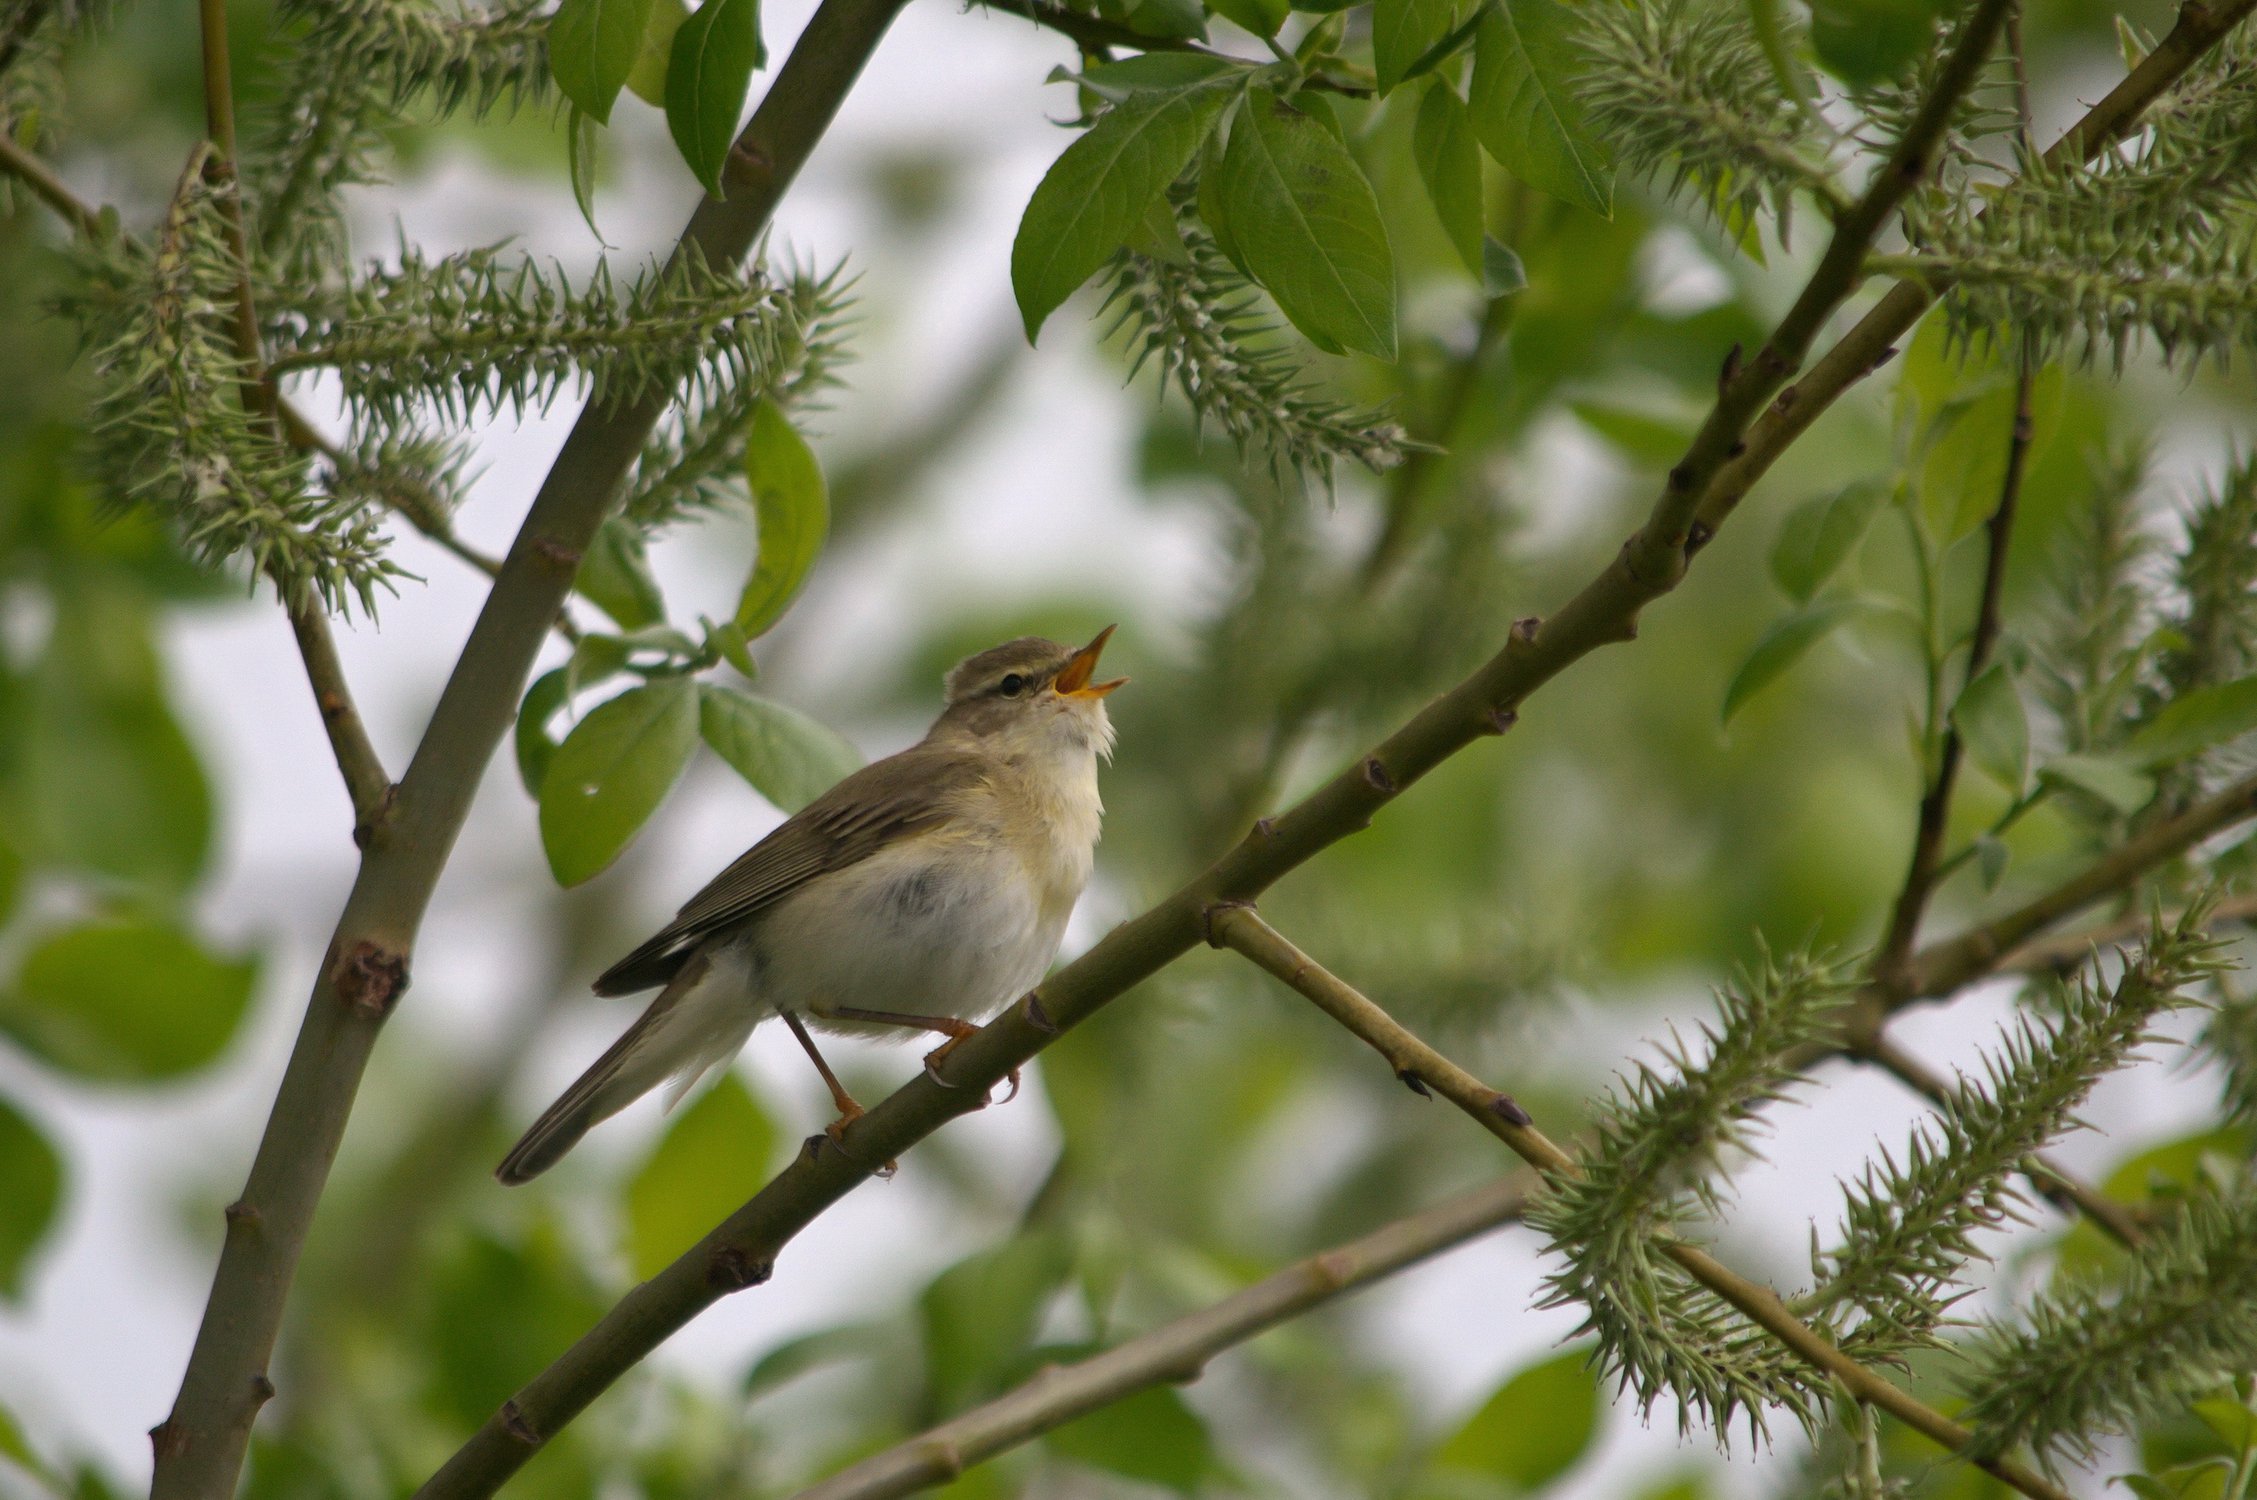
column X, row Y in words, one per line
column 1869, row 41
column 2197, row 721
column 1152, row 1436
column 1818, row 536
column 1991, row 859
column 1533, row 1429
column 611, row 773
column 646, row 80
column 592, row 48
column 1523, row 62
column 1173, row 20
column 31, row 1184
column 1964, row 470
column 1781, row 646
column 535, row 749
column 711, row 1159
column 1502, row 274
column 1213, row 211
column 787, row 757
column 794, row 511
column 615, row 577
column 1402, row 32
column 1261, row 17
column 1309, row 227
column 127, row 999
column 580, row 166
column 109, row 782
column 1097, row 190
column 1652, row 437
column 793, row 1358
column 981, row 1314
column 1449, row 162
column 2116, row 782
column 1993, row 727
column 708, row 74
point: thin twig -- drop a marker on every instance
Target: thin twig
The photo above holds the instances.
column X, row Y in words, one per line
column 2060, row 956
column 741, row 1251
column 1922, row 875
column 1175, row 1352
column 200, row 1447
column 36, row 175
column 2061, row 1187
column 1954, row 964
column 1238, row 927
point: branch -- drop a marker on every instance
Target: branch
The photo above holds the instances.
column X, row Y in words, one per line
column 2054, row 1182
column 2059, row 956
column 1175, row 1352
column 36, row 175
column 1952, row 965
column 1239, row 928
column 1922, row 874
column 2201, row 24
column 1096, row 35
column 741, row 1251
column 1671, row 535
column 200, row 1447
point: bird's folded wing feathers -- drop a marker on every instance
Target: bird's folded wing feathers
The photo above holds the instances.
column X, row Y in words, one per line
column 847, row 824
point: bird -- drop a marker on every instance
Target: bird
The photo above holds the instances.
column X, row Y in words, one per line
column 923, row 892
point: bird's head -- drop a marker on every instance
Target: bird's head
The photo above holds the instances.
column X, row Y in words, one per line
column 1031, row 695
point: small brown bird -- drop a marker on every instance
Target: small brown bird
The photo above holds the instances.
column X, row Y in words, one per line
column 923, row 892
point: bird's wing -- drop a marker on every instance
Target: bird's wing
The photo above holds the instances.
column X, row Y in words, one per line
column 847, row 824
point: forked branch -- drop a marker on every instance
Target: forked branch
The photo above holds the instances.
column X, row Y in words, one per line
column 1240, row 929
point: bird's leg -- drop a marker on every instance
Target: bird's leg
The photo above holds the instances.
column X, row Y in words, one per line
column 957, row 1031
column 849, row 1110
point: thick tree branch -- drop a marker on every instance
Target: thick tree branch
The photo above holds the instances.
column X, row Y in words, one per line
column 200, row 1446
column 1175, row 1352
column 1922, row 874
column 742, row 1249
column 1239, row 928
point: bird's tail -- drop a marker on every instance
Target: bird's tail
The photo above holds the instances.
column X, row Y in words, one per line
column 686, row 1031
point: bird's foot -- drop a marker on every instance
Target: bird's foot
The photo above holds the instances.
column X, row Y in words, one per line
column 940, row 1054
column 849, row 1112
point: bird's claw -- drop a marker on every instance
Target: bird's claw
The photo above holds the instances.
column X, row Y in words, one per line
column 939, row 1055
column 836, row 1130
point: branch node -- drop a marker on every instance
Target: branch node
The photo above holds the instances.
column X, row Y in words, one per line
column 168, row 1439
column 733, row 1268
column 241, row 1215
column 1265, row 828
column 1698, row 535
column 944, row 1456
column 1212, row 913
column 519, row 1426
column 1334, row 1269
column 1414, row 1083
column 1785, row 401
column 364, row 831
column 1681, row 479
column 1508, row 1109
column 370, row 980
column 1498, row 720
column 262, row 1390
column 1378, row 775
column 1888, row 353
column 1524, row 631
column 1731, row 368
column 1037, row 1017
column 557, row 555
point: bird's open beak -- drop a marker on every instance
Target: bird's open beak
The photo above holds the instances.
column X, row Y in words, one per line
column 1073, row 680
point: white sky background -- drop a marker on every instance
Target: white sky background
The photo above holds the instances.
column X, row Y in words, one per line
column 1039, row 503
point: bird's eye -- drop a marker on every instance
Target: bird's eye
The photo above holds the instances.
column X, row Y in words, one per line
column 1012, row 685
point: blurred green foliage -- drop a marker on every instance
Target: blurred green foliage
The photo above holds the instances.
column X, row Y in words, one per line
column 1616, row 846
